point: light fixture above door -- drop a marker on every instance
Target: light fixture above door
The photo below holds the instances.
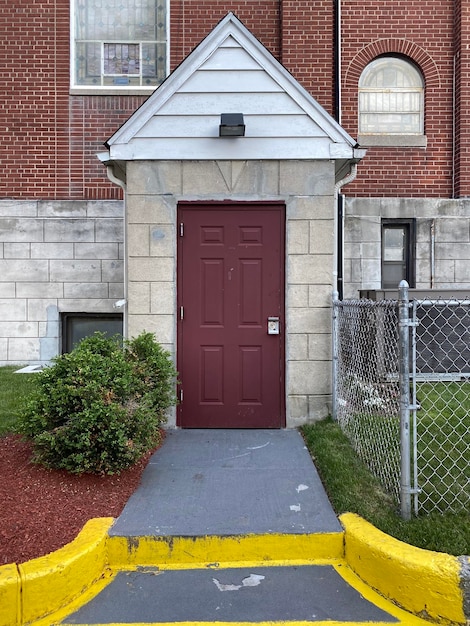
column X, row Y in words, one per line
column 232, row 125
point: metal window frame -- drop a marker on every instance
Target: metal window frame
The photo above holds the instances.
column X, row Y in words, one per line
column 65, row 320
column 409, row 224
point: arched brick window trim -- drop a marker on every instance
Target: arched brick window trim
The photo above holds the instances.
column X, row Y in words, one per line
column 381, row 47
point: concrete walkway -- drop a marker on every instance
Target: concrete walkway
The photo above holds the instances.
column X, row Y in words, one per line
column 231, row 483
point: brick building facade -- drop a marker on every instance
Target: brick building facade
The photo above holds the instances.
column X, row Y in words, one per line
column 406, row 214
column 62, row 130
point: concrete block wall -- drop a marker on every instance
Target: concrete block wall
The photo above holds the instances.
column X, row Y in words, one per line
column 442, row 241
column 55, row 256
column 153, row 192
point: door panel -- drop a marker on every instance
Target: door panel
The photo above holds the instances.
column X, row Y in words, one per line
column 230, row 280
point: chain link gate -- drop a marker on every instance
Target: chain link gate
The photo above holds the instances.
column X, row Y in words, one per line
column 406, row 409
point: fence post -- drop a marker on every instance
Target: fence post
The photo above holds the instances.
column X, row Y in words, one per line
column 404, row 347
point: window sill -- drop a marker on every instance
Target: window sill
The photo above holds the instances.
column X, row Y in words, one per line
column 112, row 91
column 394, row 141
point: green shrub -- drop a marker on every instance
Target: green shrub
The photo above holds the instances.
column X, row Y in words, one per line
column 99, row 408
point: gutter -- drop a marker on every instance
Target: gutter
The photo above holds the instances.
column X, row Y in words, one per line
column 338, row 280
column 117, row 176
column 338, row 229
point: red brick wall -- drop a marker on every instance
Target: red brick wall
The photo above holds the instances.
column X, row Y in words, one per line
column 192, row 20
column 33, row 101
column 93, row 120
column 49, row 146
column 424, row 32
column 462, row 96
column 307, row 46
column 50, row 140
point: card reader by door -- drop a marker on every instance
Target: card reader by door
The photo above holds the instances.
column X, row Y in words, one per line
column 273, row 326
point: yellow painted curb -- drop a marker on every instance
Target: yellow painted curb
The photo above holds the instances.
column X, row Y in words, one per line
column 50, row 582
column 142, row 551
column 424, row 583
column 420, row 581
column 9, row 595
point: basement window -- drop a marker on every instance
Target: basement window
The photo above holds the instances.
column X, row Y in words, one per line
column 77, row 326
column 398, row 252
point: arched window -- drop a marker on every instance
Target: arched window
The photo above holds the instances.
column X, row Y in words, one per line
column 391, row 98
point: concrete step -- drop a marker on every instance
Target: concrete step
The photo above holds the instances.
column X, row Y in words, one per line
column 298, row 580
column 286, row 594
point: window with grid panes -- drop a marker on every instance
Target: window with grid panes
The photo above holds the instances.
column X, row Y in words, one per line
column 391, row 98
column 119, row 43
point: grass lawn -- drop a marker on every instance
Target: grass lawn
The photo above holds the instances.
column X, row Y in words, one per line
column 443, row 425
column 443, row 444
column 13, row 389
column 352, row 488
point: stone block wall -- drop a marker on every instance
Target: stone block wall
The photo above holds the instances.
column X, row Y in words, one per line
column 442, row 241
column 55, row 256
column 153, row 192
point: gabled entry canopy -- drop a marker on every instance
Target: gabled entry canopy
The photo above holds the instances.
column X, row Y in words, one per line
column 230, row 71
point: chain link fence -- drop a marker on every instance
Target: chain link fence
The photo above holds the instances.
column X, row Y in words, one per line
column 422, row 423
column 366, row 395
column 441, row 392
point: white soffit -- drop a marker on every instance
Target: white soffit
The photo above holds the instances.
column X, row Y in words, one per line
column 231, row 72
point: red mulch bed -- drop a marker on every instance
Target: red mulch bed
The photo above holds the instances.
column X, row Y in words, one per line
column 41, row 510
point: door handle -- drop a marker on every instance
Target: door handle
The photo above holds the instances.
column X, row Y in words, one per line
column 273, row 326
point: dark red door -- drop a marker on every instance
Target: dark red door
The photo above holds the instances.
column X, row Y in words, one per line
column 230, row 282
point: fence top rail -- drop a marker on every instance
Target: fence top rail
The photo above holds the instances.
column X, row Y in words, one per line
column 440, row 302
column 364, row 302
column 416, row 294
